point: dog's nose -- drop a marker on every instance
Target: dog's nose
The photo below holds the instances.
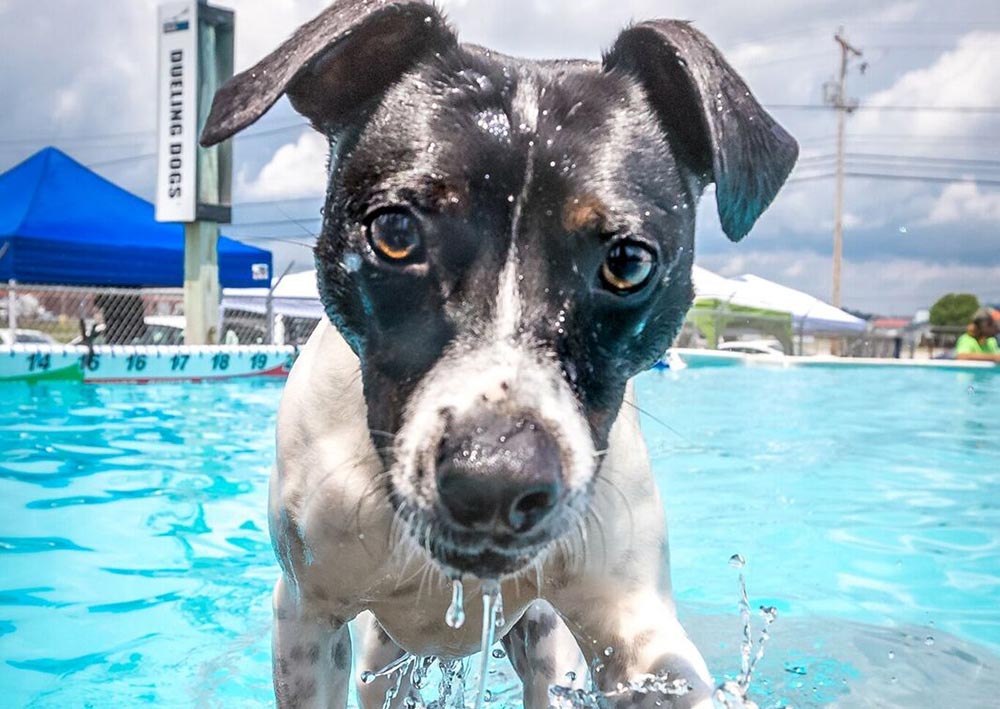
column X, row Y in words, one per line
column 497, row 473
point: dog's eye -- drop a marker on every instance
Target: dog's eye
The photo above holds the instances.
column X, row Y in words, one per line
column 627, row 267
column 395, row 236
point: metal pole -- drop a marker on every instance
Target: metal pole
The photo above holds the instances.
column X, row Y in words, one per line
column 12, row 310
column 270, row 302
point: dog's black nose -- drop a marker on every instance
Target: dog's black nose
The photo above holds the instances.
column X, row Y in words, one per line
column 498, row 474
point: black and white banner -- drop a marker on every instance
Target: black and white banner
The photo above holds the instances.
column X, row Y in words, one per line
column 177, row 119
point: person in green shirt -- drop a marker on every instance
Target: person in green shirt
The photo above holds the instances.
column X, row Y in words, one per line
column 980, row 339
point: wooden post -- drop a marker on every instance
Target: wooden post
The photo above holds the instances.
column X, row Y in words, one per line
column 843, row 106
column 201, row 283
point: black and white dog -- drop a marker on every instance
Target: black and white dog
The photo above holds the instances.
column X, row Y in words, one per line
column 506, row 243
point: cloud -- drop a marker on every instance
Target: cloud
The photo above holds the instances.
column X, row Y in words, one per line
column 297, row 170
column 962, row 201
column 969, row 75
column 61, row 82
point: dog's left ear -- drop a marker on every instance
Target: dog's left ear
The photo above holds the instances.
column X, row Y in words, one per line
column 709, row 117
column 334, row 67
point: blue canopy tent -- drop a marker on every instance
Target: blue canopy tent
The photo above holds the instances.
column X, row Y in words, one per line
column 63, row 224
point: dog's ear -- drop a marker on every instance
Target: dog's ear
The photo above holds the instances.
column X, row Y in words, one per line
column 709, row 117
column 334, row 66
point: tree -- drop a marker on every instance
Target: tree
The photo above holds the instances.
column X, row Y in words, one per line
column 954, row 309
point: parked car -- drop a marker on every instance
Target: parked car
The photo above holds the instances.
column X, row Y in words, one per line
column 26, row 337
column 754, row 347
column 159, row 330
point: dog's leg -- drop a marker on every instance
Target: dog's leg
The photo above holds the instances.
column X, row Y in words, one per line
column 311, row 658
column 544, row 652
column 377, row 651
column 630, row 633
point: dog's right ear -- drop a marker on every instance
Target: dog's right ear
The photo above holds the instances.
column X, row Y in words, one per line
column 334, row 66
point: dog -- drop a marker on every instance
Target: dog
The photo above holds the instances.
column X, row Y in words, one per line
column 505, row 245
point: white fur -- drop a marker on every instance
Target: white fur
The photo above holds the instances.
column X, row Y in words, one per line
column 334, row 528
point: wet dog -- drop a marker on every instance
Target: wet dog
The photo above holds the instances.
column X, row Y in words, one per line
column 506, row 243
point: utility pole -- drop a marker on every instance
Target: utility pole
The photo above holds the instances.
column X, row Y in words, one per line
column 836, row 96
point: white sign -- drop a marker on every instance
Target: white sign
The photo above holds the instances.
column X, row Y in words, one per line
column 177, row 107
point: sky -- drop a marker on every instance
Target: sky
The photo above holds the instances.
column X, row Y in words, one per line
column 81, row 75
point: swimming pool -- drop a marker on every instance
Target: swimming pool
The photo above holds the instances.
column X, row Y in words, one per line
column 135, row 566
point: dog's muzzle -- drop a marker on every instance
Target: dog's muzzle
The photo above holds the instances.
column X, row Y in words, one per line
column 499, row 478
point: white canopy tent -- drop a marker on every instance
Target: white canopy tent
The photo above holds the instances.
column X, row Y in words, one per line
column 810, row 315
column 295, row 295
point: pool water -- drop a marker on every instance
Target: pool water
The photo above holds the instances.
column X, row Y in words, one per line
column 135, row 566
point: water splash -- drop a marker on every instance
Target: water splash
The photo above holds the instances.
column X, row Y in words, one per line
column 659, row 686
column 731, row 694
column 455, row 615
column 734, row 694
column 451, row 686
column 398, row 665
column 492, row 608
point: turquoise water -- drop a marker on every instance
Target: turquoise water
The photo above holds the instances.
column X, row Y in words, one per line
column 135, row 566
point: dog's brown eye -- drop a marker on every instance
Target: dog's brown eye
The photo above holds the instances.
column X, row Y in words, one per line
column 627, row 267
column 395, row 236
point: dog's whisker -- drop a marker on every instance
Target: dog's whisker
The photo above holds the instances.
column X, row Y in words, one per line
column 625, row 500
column 660, row 421
column 599, row 521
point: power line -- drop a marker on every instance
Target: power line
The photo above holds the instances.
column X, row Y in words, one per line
column 78, row 138
column 127, row 158
column 284, row 200
column 149, row 133
column 288, row 239
column 902, row 109
column 939, row 179
column 885, row 157
column 277, row 222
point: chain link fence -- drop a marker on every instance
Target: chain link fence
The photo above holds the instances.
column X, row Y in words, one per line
column 122, row 316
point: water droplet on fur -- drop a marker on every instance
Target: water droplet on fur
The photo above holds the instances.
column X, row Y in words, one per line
column 570, row 676
column 455, row 616
column 892, row 655
column 352, row 262
column 552, row 163
column 737, row 561
column 499, row 654
column 609, row 651
column 510, row 198
column 486, row 176
column 367, row 677
column 428, row 20
column 929, row 640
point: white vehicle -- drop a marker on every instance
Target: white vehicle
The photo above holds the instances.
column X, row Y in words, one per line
column 754, row 347
column 26, row 337
column 160, row 330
